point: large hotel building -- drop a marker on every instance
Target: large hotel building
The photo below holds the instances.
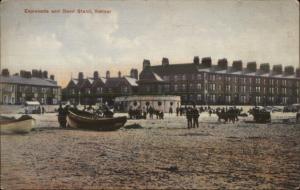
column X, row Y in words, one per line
column 198, row 82
column 204, row 83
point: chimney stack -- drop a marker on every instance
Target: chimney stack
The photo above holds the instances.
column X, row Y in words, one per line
column 96, row 75
column 223, row 63
column 298, row 72
column 134, row 73
column 40, row 75
column 289, row 70
column 107, row 74
column 80, row 76
column 251, row 66
column 52, row 77
column 237, row 65
column 146, row 63
column 5, row 72
column 265, row 67
column 165, row 61
column 35, row 73
column 206, row 61
column 196, row 60
column 45, row 74
column 277, row 69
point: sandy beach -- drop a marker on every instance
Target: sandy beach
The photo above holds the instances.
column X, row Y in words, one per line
column 164, row 154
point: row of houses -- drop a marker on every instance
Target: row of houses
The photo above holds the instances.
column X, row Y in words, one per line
column 96, row 89
column 198, row 82
column 28, row 86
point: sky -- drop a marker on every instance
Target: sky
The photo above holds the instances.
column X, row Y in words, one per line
column 265, row 31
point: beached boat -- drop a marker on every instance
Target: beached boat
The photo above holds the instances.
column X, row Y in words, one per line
column 22, row 125
column 85, row 120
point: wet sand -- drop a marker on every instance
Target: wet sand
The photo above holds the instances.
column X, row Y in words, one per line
column 163, row 154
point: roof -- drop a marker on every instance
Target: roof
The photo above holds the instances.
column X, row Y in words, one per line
column 116, row 81
column 32, row 103
column 148, row 75
column 27, row 81
column 131, row 81
column 186, row 68
column 113, row 82
column 175, row 68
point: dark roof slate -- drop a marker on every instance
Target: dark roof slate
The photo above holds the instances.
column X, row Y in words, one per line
column 27, row 81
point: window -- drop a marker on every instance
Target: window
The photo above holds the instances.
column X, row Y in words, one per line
column 183, row 87
column 257, row 99
column 228, row 99
column 220, row 87
column 167, row 88
column 176, row 77
column 199, row 76
column 213, row 87
column 235, row 89
column 99, row 90
column 125, row 89
column 183, row 77
column 199, row 86
column 257, row 89
column 227, row 88
column 166, row 78
column 175, row 87
column 34, row 89
column 258, row 81
column 199, row 97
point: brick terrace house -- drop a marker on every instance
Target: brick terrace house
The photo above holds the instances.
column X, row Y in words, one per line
column 28, row 86
column 98, row 89
column 204, row 83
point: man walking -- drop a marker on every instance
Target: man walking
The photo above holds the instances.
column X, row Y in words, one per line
column 195, row 117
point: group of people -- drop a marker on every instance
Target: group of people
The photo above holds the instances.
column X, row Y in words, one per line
column 192, row 116
column 143, row 112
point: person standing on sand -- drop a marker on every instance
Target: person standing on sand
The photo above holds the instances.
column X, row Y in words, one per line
column 189, row 117
column 62, row 116
column 195, row 117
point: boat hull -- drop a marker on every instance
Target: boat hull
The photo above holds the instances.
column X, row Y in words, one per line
column 24, row 126
column 100, row 124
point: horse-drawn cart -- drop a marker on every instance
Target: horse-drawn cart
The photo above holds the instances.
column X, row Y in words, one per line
column 260, row 115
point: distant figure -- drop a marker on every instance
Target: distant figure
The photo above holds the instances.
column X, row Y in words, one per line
column 151, row 112
column 62, row 116
column 195, row 117
column 171, row 110
column 210, row 112
column 43, row 110
column 189, row 117
column 39, row 110
column 181, row 111
column 177, row 111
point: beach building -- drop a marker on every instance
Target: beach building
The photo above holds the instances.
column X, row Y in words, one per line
column 28, row 86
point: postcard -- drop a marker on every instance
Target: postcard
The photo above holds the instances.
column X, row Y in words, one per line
column 147, row 94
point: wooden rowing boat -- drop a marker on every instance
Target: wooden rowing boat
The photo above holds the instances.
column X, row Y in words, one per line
column 11, row 125
column 85, row 120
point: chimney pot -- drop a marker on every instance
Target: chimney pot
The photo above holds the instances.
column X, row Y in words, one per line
column 206, row 61
column 165, row 61
column 107, row 74
column 146, row 63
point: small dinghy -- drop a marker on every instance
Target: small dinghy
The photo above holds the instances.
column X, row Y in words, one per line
column 86, row 120
column 11, row 125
